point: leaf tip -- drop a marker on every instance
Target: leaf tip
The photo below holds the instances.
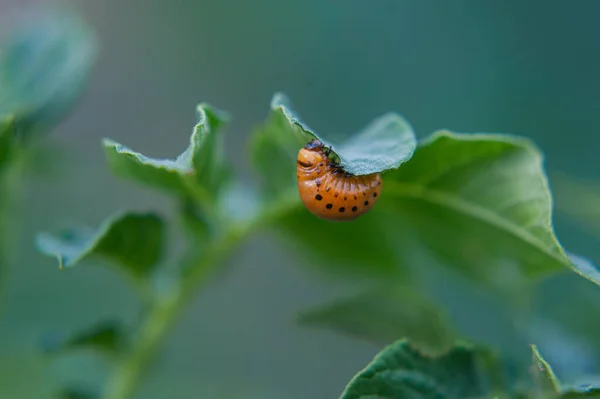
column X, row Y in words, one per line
column 208, row 114
column 109, row 143
column 280, row 100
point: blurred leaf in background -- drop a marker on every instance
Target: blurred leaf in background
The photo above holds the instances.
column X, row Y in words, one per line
column 44, row 67
column 45, row 60
column 133, row 241
column 106, row 337
column 384, row 313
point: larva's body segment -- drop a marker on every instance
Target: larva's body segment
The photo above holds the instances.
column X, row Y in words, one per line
column 328, row 191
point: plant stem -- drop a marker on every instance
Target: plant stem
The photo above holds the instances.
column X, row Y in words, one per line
column 162, row 317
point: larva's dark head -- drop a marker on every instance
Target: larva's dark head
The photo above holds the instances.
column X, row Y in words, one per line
column 312, row 154
column 314, row 145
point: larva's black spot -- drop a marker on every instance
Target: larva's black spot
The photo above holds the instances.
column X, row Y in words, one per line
column 354, row 209
column 329, row 206
column 342, row 209
column 336, row 195
column 374, row 194
column 318, row 182
column 366, row 203
column 355, row 197
column 345, row 198
column 318, row 197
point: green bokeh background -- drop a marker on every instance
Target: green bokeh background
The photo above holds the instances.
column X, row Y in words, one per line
column 524, row 67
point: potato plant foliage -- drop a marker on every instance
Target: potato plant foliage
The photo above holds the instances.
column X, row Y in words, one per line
column 476, row 207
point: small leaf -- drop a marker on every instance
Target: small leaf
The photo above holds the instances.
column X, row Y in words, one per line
column 133, row 241
column 481, row 202
column 197, row 173
column 400, row 371
column 106, row 337
column 385, row 314
column 384, row 144
column 545, row 379
column 44, row 65
column 166, row 174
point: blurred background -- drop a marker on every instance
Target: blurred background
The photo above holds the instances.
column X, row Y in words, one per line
column 523, row 67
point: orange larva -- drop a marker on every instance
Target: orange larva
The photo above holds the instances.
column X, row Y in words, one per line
column 328, row 191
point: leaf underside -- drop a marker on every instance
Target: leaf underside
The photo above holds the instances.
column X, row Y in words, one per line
column 383, row 314
column 132, row 241
column 481, row 202
column 384, row 144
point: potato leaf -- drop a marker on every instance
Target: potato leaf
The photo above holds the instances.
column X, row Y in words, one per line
column 198, row 172
column 132, row 241
column 401, row 371
column 481, row 202
column 384, row 144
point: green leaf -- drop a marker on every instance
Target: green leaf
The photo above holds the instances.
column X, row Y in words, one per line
column 481, row 202
column 105, row 337
column 367, row 246
column 385, row 314
column 275, row 145
column 545, row 379
column 133, row 241
column 44, row 66
column 384, row 144
column 400, row 371
column 197, row 173
column 207, row 149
